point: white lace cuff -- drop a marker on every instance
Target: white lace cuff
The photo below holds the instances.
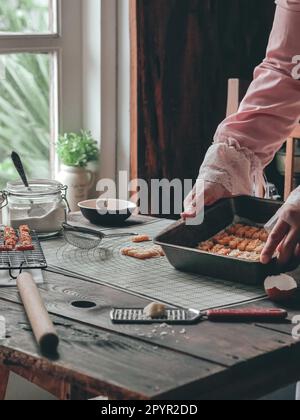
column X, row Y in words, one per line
column 236, row 168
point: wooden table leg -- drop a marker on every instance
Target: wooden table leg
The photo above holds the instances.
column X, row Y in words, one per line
column 60, row 388
column 4, row 376
column 289, row 167
column 80, row 394
column 57, row 387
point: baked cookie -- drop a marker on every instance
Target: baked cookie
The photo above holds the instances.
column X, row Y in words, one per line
column 143, row 253
column 140, row 238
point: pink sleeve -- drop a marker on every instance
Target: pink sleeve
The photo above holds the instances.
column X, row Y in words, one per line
column 267, row 115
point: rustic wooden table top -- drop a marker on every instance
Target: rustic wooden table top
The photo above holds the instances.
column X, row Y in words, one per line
column 209, row 361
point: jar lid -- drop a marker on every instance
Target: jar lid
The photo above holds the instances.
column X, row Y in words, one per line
column 36, row 188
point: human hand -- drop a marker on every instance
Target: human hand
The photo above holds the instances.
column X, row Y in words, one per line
column 285, row 232
column 203, row 194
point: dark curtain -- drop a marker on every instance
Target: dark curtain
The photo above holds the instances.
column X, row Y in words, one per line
column 186, row 52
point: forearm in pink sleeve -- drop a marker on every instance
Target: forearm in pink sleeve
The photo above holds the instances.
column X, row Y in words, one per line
column 271, row 107
column 248, row 140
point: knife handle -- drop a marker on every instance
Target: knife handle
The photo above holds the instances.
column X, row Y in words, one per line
column 246, row 314
column 20, row 168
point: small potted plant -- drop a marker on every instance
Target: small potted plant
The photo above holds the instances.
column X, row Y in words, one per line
column 75, row 152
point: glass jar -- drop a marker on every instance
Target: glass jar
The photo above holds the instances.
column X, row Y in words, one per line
column 43, row 206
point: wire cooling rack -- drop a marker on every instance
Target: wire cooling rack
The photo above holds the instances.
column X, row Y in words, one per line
column 14, row 260
column 155, row 279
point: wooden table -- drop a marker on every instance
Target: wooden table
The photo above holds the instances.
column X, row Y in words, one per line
column 210, row 361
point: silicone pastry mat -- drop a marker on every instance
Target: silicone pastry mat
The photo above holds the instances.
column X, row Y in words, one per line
column 155, row 279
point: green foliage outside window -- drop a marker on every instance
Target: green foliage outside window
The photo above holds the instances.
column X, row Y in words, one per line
column 24, row 94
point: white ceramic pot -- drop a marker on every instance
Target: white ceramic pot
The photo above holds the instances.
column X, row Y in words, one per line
column 79, row 182
column 94, row 168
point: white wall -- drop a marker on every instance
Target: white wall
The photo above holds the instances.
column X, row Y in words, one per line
column 91, row 76
column 106, row 81
column 108, row 88
column 123, row 133
column 91, row 67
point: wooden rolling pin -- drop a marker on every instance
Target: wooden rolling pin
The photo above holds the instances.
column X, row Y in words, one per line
column 37, row 314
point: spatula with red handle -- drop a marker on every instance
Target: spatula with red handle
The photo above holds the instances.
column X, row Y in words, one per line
column 249, row 314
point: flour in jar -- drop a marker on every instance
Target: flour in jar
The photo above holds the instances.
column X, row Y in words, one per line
column 48, row 223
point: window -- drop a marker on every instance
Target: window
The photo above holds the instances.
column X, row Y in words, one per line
column 24, row 113
column 23, row 16
column 29, row 48
column 57, row 66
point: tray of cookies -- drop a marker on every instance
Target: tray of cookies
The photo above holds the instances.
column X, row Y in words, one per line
column 227, row 245
column 242, row 241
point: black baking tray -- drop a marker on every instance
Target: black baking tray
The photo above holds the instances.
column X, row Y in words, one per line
column 180, row 240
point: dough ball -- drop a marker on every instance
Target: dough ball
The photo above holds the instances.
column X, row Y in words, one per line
column 155, row 311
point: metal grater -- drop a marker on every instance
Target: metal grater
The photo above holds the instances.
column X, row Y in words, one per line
column 173, row 316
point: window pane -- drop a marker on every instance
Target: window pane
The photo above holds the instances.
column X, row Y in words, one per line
column 25, row 113
column 27, row 16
